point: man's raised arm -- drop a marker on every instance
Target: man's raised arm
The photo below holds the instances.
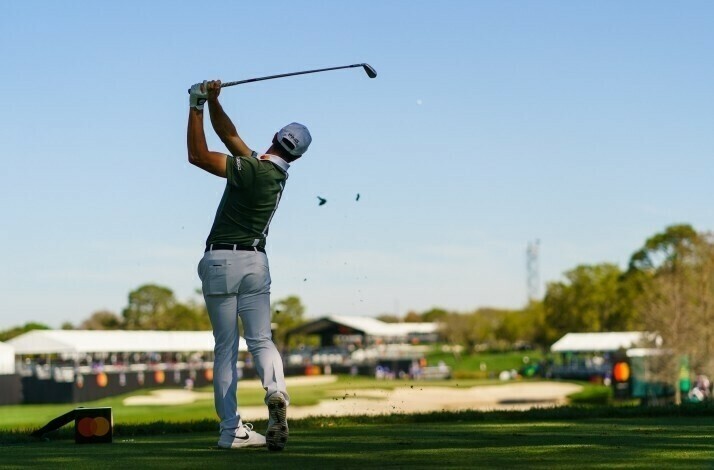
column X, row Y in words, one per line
column 198, row 153
column 222, row 124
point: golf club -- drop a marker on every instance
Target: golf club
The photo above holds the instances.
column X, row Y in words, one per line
column 371, row 73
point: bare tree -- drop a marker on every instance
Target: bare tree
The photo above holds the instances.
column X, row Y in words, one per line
column 678, row 303
column 701, row 347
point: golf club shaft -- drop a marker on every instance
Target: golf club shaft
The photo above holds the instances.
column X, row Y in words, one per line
column 250, row 80
column 240, row 82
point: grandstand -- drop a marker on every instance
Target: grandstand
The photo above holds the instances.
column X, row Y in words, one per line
column 68, row 366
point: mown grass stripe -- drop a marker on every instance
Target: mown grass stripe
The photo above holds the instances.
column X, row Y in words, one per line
column 564, row 413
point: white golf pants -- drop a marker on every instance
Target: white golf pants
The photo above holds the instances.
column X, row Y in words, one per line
column 237, row 284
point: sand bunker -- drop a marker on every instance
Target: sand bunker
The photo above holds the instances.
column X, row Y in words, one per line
column 422, row 399
column 411, row 399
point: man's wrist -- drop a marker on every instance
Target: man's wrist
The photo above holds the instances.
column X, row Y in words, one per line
column 196, row 103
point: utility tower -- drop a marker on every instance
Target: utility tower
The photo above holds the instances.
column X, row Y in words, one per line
column 532, row 270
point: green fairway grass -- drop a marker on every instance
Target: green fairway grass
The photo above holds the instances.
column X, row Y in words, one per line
column 561, row 438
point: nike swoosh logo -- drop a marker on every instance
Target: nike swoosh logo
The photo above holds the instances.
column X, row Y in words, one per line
column 244, row 438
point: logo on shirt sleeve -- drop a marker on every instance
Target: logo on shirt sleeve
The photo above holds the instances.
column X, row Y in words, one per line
column 237, row 163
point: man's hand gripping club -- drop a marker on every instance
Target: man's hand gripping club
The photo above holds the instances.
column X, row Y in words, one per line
column 198, row 94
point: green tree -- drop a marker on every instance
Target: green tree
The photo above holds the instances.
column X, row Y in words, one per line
column 412, row 317
column 535, row 313
column 102, row 320
column 185, row 317
column 666, row 251
column 199, row 312
column 287, row 314
column 153, row 307
column 18, row 330
column 453, row 328
column 677, row 267
column 148, row 307
column 434, row 314
column 484, row 326
column 593, row 298
column 515, row 326
column 475, row 330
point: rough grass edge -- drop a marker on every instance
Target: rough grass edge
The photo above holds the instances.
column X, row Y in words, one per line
column 563, row 413
column 592, row 395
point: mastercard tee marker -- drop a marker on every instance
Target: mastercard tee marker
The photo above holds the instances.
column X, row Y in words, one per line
column 91, row 425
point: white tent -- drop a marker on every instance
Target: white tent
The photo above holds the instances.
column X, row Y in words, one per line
column 7, row 359
column 599, row 342
column 403, row 329
column 373, row 327
column 69, row 342
column 370, row 326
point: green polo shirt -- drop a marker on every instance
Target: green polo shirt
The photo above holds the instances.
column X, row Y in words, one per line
column 254, row 186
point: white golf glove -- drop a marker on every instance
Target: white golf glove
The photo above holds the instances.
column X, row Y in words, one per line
column 198, row 97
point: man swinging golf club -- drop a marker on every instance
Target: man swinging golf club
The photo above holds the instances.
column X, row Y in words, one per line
column 234, row 268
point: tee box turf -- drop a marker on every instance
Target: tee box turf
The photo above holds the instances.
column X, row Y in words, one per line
column 91, row 425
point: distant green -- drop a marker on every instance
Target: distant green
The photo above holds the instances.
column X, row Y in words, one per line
column 486, row 364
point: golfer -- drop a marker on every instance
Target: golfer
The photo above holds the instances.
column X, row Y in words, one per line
column 234, row 269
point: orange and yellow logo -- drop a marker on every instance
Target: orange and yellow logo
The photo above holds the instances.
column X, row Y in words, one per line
column 621, row 372
column 102, row 379
column 91, row 427
column 159, row 376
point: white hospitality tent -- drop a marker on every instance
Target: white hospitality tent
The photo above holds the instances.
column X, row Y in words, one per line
column 368, row 325
column 70, row 343
column 423, row 328
column 377, row 328
column 7, row 359
column 600, row 342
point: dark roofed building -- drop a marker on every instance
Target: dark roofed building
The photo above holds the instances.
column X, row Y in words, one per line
column 364, row 331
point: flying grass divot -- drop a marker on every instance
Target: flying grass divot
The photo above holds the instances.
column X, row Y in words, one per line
column 91, row 425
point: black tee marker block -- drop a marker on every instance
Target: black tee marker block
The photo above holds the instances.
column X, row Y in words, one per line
column 91, row 425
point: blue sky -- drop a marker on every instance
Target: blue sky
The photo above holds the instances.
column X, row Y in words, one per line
column 587, row 125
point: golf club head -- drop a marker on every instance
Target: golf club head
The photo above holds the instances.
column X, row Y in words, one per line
column 371, row 73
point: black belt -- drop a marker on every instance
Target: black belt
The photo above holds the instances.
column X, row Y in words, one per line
column 228, row 246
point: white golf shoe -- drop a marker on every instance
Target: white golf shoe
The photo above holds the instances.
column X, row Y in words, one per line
column 277, row 434
column 244, row 437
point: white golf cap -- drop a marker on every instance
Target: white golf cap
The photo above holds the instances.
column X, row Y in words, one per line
column 295, row 138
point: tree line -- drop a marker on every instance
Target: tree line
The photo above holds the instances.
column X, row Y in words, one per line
column 666, row 288
column 149, row 307
column 155, row 307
